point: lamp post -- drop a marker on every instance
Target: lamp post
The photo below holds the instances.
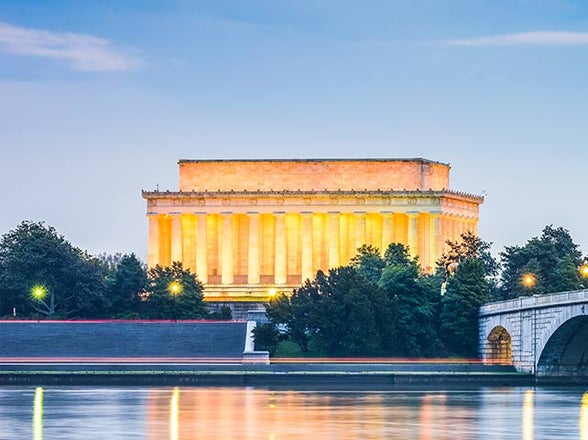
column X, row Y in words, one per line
column 528, row 281
column 175, row 289
column 39, row 292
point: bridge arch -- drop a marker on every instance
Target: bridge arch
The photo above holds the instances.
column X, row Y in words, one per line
column 498, row 346
column 565, row 352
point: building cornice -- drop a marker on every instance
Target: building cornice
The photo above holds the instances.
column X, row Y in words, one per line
column 286, row 193
column 415, row 159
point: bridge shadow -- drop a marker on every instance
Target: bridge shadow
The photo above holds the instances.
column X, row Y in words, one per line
column 566, row 351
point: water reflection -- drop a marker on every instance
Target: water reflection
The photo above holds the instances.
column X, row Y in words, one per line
column 528, row 408
column 584, row 417
column 38, row 414
column 247, row 413
column 174, row 414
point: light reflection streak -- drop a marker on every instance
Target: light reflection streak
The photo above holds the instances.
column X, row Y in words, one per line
column 174, row 415
column 584, row 417
column 38, row 414
column 528, row 409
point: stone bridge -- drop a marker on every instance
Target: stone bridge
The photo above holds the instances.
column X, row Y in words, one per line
column 546, row 335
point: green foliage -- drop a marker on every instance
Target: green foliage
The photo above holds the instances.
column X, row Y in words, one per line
column 467, row 290
column 35, row 254
column 126, row 278
column 368, row 262
column 288, row 349
column 469, row 246
column 223, row 314
column 267, row 337
column 415, row 312
column 553, row 258
column 342, row 312
column 397, row 255
column 160, row 303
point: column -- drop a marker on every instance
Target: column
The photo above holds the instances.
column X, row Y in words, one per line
column 253, row 263
column 460, row 227
column 475, row 226
column 454, row 228
column 226, row 262
column 387, row 230
column 153, row 243
column 412, row 232
column 201, row 247
column 359, row 229
column 280, row 248
column 176, row 236
column 434, row 234
column 333, row 239
column 307, row 263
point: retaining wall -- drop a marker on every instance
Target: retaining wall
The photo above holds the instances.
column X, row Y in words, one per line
column 124, row 339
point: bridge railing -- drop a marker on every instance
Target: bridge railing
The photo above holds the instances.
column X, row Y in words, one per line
column 535, row 301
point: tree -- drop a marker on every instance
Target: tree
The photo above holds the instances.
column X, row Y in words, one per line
column 267, row 337
column 162, row 302
column 35, row 254
column 553, row 259
column 414, row 328
column 467, row 290
column 368, row 262
column 470, row 246
column 341, row 313
column 126, row 280
column 397, row 254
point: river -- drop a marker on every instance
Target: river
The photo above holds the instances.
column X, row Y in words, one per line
column 173, row 413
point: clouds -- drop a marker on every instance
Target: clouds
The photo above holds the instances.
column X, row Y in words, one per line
column 547, row 38
column 80, row 52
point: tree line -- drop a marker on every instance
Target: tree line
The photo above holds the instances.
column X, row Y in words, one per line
column 379, row 304
column 43, row 275
column 385, row 305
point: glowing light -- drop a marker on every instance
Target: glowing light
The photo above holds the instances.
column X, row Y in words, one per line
column 272, row 292
column 174, row 415
column 38, row 292
column 584, row 270
column 584, row 417
column 529, row 280
column 528, row 409
column 38, row 414
column 175, row 288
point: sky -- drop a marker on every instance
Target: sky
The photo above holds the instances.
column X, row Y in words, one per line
column 99, row 100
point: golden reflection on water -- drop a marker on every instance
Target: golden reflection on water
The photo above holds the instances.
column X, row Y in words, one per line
column 225, row 413
column 38, row 414
column 584, row 417
column 174, row 415
column 528, row 409
column 252, row 414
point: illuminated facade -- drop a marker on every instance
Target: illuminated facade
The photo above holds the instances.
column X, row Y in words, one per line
column 251, row 227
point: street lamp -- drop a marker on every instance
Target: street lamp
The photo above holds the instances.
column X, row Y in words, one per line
column 175, row 289
column 584, row 270
column 529, row 280
column 38, row 293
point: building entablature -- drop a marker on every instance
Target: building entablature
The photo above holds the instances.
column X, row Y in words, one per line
column 446, row 202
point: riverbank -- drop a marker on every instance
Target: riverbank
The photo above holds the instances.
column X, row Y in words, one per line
column 333, row 376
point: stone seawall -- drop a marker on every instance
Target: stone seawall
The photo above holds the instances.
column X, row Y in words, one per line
column 121, row 339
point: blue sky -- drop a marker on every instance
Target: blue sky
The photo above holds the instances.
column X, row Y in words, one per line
column 99, row 100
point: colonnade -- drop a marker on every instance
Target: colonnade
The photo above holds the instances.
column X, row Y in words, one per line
column 282, row 248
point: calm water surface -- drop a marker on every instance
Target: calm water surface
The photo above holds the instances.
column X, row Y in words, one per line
column 237, row 413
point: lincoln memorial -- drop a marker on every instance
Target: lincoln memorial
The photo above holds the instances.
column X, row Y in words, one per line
column 251, row 228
